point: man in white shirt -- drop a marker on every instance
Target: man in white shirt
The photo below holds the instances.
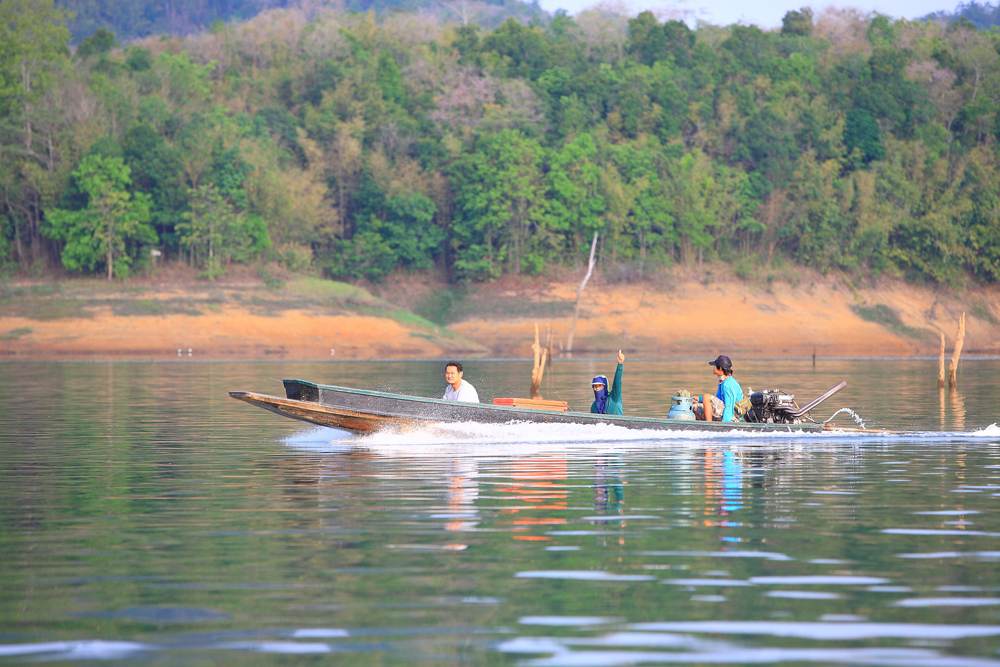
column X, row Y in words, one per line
column 458, row 389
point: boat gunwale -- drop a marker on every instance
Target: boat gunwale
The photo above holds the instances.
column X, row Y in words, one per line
column 687, row 424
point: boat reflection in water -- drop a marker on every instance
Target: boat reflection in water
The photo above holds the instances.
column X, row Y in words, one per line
column 538, row 484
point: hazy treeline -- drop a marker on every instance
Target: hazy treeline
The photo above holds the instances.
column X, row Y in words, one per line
column 979, row 14
column 357, row 147
column 130, row 19
column 140, row 18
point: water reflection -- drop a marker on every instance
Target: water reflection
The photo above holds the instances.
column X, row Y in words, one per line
column 609, row 485
column 538, row 490
column 723, row 490
column 144, row 516
column 957, row 408
column 463, row 490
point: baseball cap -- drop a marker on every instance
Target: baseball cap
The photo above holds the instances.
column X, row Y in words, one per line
column 723, row 362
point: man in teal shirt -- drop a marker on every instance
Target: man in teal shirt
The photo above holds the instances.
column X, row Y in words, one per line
column 722, row 406
column 608, row 402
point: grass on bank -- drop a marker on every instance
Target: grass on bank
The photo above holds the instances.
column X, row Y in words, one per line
column 453, row 304
column 887, row 317
column 14, row 334
column 84, row 298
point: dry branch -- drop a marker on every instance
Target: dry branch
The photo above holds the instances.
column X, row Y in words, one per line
column 579, row 294
column 941, row 363
column 957, row 353
column 539, row 358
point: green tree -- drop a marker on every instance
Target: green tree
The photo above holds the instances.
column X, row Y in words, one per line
column 157, row 169
column 216, row 233
column 576, row 204
column 862, row 137
column 34, row 54
column 112, row 229
column 98, row 44
column 640, row 211
column 647, row 42
column 982, row 220
column 696, row 194
column 499, row 206
column 520, row 50
column 797, row 22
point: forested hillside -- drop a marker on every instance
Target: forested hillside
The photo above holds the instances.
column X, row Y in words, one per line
column 139, row 18
column 981, row 15
column 337, row 143
column 129, row 19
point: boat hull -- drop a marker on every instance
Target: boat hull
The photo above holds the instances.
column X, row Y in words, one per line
column 364, row 411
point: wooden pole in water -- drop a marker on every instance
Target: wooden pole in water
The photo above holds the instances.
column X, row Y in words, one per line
column 941, row 363
column 957, row 353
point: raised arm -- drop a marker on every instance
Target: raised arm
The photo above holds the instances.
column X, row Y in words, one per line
column 616, row 384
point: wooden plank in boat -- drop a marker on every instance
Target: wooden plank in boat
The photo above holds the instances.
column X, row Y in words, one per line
column 533, row 403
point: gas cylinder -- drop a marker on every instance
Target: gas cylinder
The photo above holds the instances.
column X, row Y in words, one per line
column 680, row 407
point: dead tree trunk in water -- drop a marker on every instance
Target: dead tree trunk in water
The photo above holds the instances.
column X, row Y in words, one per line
column 539, row 358
column 941, row 363
column 956, row 355
column 579, row 293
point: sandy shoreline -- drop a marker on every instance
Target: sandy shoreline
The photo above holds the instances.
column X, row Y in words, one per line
column 892, row 319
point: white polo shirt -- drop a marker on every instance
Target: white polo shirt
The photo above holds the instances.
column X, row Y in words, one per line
column 466, row 393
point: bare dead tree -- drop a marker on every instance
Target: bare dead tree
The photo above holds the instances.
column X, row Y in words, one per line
column 957, row 353
column 539, row 359
column 579, row 294
column 941, row 363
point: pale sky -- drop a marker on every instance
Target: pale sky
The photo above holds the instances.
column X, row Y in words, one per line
column 764, row 13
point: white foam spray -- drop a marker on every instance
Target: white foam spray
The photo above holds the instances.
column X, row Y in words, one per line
column 518, row 438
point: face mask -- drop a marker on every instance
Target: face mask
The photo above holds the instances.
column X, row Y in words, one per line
column 600, row 394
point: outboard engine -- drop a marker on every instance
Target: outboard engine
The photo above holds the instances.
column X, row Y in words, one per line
column 772, row 406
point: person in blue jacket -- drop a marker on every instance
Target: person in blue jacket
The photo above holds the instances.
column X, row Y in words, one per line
column 608, row 402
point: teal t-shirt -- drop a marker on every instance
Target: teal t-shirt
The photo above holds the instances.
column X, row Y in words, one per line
column 729, row 392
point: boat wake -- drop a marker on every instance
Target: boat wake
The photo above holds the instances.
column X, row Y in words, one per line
column 521, row 437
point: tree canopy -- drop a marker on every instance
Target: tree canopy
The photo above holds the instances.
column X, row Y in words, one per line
column 358, row 145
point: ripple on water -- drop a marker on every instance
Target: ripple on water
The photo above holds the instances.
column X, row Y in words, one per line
column 582, row 575
column 803, row 595
column 92, row 649
column 947, row 602
column 706, row 582
column 292, row 648
column 934, row 555
column 641, row 639
column 565, row 621
column 938, row 531
column 162, row 614
column 820, row 580
column 766, row 555
column 320, row 633
column 564, row 656
column 621, row 517
column 825, row 631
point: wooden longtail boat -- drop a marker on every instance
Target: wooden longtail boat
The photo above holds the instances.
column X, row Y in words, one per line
column 364, row 411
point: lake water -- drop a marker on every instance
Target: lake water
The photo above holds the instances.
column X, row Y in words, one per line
column 145, row 517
